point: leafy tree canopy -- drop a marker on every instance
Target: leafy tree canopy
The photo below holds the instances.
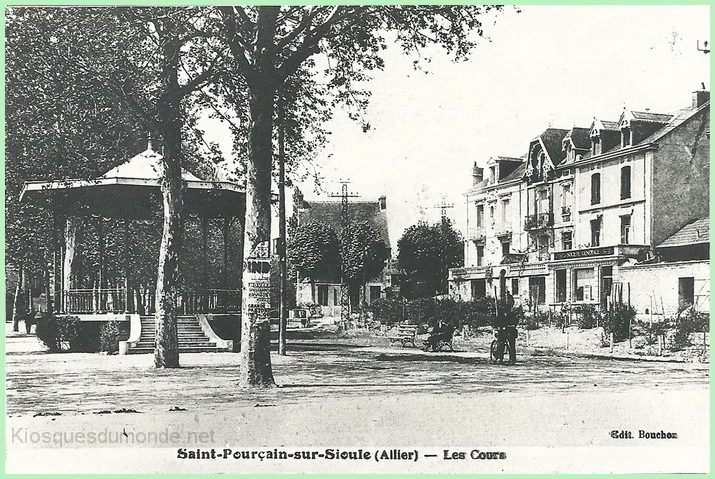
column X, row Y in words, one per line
column 426, row 251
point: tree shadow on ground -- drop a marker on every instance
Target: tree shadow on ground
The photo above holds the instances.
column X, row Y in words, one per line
column 430, row 357
column 324, row 346
column 392, row 384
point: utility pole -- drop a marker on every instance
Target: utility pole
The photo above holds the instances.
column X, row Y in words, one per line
column 345, row 220
column 443, row 206
column 282, row 310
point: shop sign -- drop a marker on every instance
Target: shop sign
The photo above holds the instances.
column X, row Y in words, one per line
column 584, row 253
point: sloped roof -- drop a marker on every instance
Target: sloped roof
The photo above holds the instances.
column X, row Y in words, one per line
column 580, row 137
column 510, row 158
column 649, row 116
column 330, row 213
column 697, row 232
column 609, row 125
column 144, row 166
column 516, row 174
column 552, row 139
column 676, row 120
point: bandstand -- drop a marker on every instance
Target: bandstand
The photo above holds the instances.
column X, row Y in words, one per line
column 130, row 195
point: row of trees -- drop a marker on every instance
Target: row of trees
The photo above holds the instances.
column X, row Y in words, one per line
column 425, row 253
column 84, row 84
column 315, row 251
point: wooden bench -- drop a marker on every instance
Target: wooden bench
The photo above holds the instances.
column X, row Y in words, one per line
column 446, row 343
column 406, row 334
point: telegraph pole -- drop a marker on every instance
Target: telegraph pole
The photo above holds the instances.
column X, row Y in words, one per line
column 345, row 220
column 443, row 206
column 282, row 310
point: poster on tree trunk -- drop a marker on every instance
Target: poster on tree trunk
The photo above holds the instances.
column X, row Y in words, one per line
column 258, row 283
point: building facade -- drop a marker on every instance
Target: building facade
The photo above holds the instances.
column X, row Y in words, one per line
column 579, row 216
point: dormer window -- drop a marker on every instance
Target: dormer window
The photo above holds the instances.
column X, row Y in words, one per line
column 492, row 174
column 596, row 145
column 626, row 136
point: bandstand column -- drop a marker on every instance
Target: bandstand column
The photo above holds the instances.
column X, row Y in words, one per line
column 127, row 291
column 70, row 244
column 226, row 228
column 204, row 264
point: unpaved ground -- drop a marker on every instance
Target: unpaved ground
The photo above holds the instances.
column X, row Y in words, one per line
column 547, row 412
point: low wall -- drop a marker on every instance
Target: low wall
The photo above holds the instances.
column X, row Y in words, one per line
column 654, row 287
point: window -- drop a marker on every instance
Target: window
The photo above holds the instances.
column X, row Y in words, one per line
column 566, row 240
column 583, row 284
column 505, row 212
column 492, row 174
column 606, row 284
column 625, row 229
column 375, row 293
column 542, row 205
column 515, row 286
column 566, row 199
column 479, row 288
column 625, row 182
column 505, row 246
column 537, row 289
column 480, row 255
column 336, row 297
column 323, row 294
column 686, row 291
column 491, row 212
column 543, row 248
column 625, row 137
column 596, row 232
column 595, row 188
column 595, row 145
column 480, row 216
column 560, row 285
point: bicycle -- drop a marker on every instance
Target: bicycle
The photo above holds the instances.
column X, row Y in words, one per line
column 494, row 348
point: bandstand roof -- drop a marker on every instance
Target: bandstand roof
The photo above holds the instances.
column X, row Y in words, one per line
column 132, row 190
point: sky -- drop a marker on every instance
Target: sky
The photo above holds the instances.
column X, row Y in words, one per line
column 547, row 66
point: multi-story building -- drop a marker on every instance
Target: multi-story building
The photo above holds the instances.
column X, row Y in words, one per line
column 583, row 205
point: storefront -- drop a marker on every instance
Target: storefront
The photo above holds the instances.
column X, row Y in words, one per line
column 586, row 276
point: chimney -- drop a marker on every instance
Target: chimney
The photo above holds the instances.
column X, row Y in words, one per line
column 383, row 202
column 700, row 97
column 477, row 174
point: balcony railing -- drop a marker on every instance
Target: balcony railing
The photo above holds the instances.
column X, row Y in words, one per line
column 538, row 221
column 99, row 301
column 476, row 232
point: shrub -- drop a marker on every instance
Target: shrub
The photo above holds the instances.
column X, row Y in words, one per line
column 687, row 322
column 68, row 333
column 618, row 321
column 427, row 312
column 48, row 332
column 388, row 310
column 109, row 335
column 588, row 317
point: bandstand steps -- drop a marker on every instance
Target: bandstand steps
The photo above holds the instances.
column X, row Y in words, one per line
column 192, row 338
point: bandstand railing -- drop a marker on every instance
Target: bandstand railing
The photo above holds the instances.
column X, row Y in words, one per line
column 114, row 300
column 105, row 300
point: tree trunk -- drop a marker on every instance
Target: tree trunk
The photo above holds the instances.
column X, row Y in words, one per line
column 166, row 348
column 17, row 308
column 255, row 357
